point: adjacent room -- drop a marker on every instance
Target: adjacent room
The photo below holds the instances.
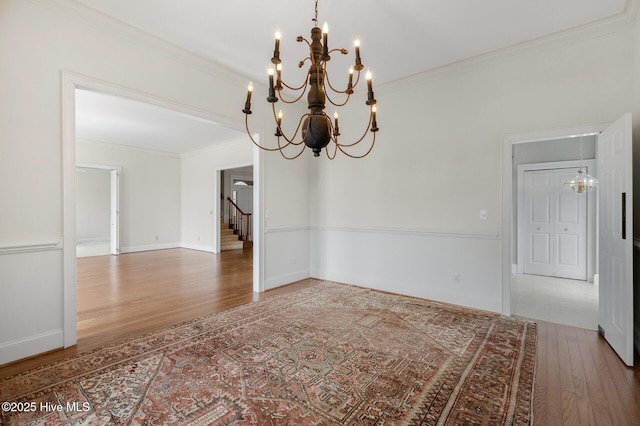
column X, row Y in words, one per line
column 130, row 199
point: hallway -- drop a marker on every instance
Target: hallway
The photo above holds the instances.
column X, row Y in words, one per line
column 557, row 300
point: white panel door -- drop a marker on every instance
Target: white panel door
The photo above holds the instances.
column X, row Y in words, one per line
column 616, row 237
column 555, row 224
column 538, row 222
column 570, row 228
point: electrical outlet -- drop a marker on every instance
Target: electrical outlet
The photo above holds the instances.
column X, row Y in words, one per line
column 456, row 277
column 484, row 214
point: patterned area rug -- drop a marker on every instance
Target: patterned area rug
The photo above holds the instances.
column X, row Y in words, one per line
column 327, row 355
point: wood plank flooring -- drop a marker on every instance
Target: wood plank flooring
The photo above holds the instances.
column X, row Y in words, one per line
column 579, row 379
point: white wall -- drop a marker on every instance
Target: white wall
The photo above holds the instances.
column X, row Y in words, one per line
column 287, row 238
column 63, row 35
column 93, row 205
column 438, row 162
column 199, row 186
column 149, row 193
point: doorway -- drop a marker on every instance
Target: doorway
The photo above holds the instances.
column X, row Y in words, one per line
column 72, row 82
column 97, row 210
column 554, row 249
column 235, row 223
column 615, row 250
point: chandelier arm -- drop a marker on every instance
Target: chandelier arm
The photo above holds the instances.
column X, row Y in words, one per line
column 346, row 145
column 357, row 80
column 289, row 158
column 373, row 142
column 336, row 103
column 292, row 101
column 335, row 152
column 302, row 87
column 246, row 120
column 328, row 79
column 290, row 141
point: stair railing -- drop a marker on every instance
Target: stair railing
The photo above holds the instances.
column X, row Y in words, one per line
column 239, row 221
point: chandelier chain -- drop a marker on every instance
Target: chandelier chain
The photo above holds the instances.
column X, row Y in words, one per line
column 315, row 19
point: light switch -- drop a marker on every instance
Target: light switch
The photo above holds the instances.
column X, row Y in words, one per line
column 483, row 214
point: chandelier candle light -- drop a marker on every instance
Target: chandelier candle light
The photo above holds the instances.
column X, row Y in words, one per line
column 582, row 182
column 316, row 127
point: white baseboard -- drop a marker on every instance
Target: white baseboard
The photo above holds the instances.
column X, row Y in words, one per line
column 284, row 279
column 22, row 348
column 92, row 240
column 199, row 247
column 150, row 247
column 287, row 256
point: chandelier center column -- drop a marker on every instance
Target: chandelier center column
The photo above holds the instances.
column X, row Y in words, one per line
column 316, row 97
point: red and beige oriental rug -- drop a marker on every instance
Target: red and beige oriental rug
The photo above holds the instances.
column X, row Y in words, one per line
column 327, row 355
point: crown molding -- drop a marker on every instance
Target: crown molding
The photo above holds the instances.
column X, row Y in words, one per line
column 125, row 148
column 622, row 21
column 239, row 141
column 130, row 34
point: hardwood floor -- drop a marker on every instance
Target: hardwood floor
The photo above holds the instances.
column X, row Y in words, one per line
column 579, row 379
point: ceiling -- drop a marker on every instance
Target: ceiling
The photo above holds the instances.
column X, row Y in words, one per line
column 107, row 118
column 398, row 39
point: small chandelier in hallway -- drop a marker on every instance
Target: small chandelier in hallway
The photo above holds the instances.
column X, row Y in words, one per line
column 582, row 181
column 317, row 129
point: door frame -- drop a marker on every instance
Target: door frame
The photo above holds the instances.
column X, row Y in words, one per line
column 507, row 191
column 218, row 203
column 114, row 199
column 70, row 81
column 591, row 210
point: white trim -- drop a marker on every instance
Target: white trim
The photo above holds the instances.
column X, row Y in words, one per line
column 13, row 248
column 285, row 279
column 198, row 247
column 127, row 148
column 69, row 254
column 402, row 231
column 22, row 348
column 277, row 229
column 385, row 230
column 72, row 81
column 215, row 147
column 217, row 176
column 592, row 30
column 104, row 23
column 149, row 247
column 507, row 178
column 259, row 197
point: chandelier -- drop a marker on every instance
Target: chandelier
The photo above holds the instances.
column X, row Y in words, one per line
column 582, row 182
column 316, row 128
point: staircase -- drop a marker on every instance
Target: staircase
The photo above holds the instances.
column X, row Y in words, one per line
column 237, row 234
column 228, row 238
